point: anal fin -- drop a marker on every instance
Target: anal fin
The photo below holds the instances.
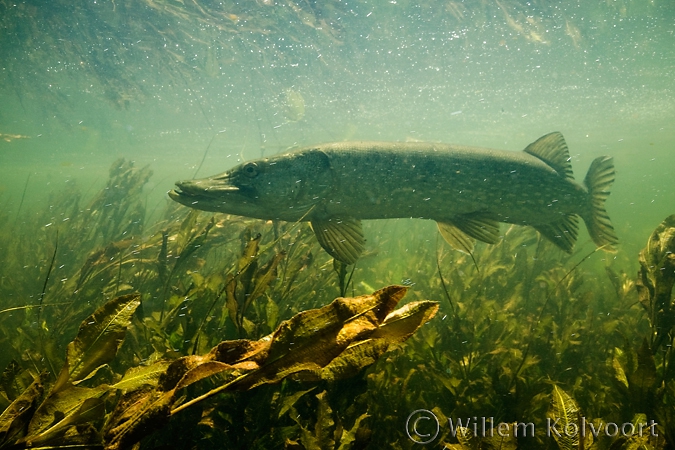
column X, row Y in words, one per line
column 562, row 233
column 342, row 238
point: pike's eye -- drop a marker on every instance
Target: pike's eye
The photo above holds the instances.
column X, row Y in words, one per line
column 250, row 169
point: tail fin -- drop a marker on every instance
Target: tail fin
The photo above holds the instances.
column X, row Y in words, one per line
column 599, row 178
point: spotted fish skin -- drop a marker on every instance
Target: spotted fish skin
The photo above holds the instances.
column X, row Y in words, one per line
column 376, row 180
column 467, row 190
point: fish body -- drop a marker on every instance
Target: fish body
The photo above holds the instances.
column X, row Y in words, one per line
column 380, row 180
column 468, row 191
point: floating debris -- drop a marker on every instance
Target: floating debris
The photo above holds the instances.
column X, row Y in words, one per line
column 294, row 105
column 10, row 137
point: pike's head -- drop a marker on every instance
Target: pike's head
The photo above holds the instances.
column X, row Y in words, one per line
column 282, row 187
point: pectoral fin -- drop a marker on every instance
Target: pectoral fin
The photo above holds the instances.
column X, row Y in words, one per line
column 562, row 233
column 342, row 238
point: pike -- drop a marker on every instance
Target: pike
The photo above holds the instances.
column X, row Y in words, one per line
column 468, row 191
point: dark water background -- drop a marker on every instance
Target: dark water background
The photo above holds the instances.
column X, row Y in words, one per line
column 157, row 81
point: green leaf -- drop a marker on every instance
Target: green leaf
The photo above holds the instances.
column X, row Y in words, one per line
column 643, row 381
column 248, row 262
column 7, row 379
column 63, row 409
column 185, row 233
column 14, row 419
column 139, row 376
column 194, row 243
column 290, row 400
column 565, row 411
column 271, row 313
column 639, row 440
column 619, row 372
column 98, row 339
column 323, row 428
column 566, row 431
column 248, row 326
column 231, row 299
column 467, row 439
column 348, row 437
column 506, row 440
column 263, row 278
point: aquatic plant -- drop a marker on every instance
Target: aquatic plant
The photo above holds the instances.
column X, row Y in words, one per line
column 655, row 283
column 524, row 325
column 330, row 343
column 644, row 376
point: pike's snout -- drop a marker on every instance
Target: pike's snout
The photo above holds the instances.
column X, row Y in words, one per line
column 207, row 187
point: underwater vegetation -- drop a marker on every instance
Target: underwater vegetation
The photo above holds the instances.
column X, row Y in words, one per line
column 214, row 331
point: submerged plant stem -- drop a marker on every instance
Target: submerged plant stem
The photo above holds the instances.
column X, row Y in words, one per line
column 207, row 395
column 44, row 286
column 24, row 307
column 242, row 270
column 23, row 197
column 440, row 275
column 206, row 152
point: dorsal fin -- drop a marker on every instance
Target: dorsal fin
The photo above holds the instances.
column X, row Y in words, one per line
column 552, row 149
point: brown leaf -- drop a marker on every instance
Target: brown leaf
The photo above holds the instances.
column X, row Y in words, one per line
column 137, row 414
column 340, row 334
column 397, row 327
column 402, row 323
column 312, row 339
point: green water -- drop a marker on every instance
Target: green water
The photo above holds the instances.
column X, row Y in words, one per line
column 195, row 87
column 490, row 74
